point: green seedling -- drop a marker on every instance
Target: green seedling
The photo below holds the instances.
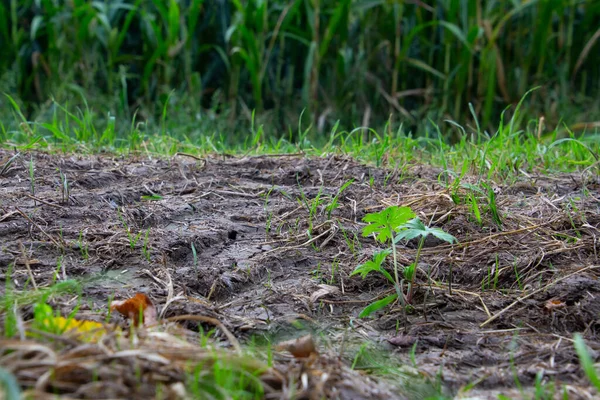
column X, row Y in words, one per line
column 375, row 265
column 475, row 208
column 195, row 257
column 64, row 187
column 83, row 247
column 334, row 201
column 334, row 268
column 312, row 206
column 383, row 225
column 517, row 275
column 392, row 225
column 59, row 267
column 133, row 239
column 32, row 177
column 316, row 273
column 492, row 205
column 416, row 229
column 145, row 248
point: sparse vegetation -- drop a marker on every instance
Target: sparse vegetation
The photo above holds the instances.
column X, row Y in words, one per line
column 207, row 199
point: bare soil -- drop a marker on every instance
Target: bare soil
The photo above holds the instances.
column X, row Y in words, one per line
column 234, row 240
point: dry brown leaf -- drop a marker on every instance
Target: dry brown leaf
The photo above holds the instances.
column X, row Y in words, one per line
column 300, row 348
column 134, row 306
column 553, row 304
column 324, row 290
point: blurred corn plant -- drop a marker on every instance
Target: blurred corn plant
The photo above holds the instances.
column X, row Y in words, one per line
column 362, row 62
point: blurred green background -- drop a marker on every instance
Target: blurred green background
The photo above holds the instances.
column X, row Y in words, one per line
column 359, row 62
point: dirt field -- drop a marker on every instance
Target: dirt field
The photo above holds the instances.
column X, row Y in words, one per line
column 231, row 233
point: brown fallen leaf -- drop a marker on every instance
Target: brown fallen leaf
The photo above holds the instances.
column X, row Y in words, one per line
column 134, row 306
column 553, row 304
column 300, row 348
column 324, row 290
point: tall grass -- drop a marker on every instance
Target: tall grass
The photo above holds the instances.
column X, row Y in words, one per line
column 357, row 61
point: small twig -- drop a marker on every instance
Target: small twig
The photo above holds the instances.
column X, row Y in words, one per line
column 8, row 163
column 371, row 300
column 234, row 193
column 26, row 261
column 8, row 215
column 465, row 292
column 285, row 248
column 40, row 228
column 43, row 201
column 191, row 156
column 487, row 238
column 518, row 300
column 188, row 317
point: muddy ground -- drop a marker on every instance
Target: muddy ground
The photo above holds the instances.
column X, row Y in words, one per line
column 231, row 237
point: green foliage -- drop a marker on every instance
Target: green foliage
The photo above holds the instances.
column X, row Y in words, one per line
column 374, row 265
column 377, row 305
column 415, row 228
column 9, row 386
column 223, row 378
column 334, row 200
column 344, row 60
column 394, row 224
column 384, row 223
column 585, row 360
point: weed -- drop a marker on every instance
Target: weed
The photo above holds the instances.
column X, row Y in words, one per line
column 83, row 246
column 359, row 354
column 312, row 207
column 353, row 242
column 65, row 189
column 133, row 239
column 416, row 229
column 195, row 258
column 32, row 176
column 543, row 391
column 334, row 268
column 333, row 204
column 517, row 275
column 392, row 225
column 60, row 267
column 145, row 248
column 413, row 354
column 316, row 273
column 493, row 207
column 475, row 208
